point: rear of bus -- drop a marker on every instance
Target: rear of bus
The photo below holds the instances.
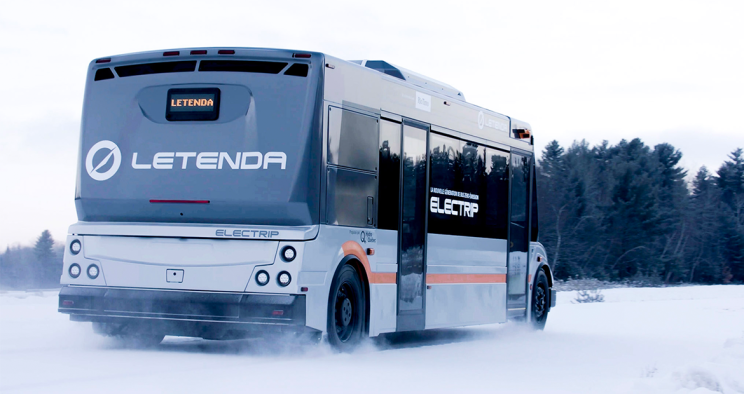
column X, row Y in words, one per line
column 198, row 170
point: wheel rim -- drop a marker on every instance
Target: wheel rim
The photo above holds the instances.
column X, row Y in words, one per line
column 540, row 303
column 344, row 312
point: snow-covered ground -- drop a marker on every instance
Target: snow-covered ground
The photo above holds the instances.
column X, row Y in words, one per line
column 640, row 340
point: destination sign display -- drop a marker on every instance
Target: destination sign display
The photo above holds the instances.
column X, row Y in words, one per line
column 193, row 104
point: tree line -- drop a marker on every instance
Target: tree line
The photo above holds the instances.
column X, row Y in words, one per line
column 626, row 212
column 37, row 267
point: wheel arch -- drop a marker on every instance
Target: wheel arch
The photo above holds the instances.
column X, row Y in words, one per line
column 360, row 268
column 548, row 273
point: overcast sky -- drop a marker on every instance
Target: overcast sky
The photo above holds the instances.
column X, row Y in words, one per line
column 665, row 71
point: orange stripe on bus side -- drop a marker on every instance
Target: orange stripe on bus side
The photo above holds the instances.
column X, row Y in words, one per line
column 383, row 277
column 352, row 248
column 465, row 278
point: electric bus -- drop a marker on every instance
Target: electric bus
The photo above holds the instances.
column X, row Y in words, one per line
column 228, row 192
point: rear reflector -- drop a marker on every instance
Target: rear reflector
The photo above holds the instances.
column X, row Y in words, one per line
column 278, row 313
column 68, row 303
column 106, row 60
column 226, row 52
column 181, row 201
column 199, row 52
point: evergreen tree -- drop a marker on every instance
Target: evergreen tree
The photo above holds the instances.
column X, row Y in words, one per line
column 703, row 253
column 46, row 264
column 633, row 214
column 730, row 181
column 672, row 229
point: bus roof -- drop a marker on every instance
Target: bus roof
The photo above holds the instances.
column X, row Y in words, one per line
column 480, row 122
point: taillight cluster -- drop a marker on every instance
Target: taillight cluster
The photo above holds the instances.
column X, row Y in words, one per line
column 74, row 271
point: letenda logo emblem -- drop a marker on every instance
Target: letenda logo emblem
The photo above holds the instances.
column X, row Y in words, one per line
column 113, row 154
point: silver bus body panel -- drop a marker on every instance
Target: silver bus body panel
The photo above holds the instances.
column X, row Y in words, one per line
column 230, row 266
column 196, row 230
column 351, row 83
column 455, row 304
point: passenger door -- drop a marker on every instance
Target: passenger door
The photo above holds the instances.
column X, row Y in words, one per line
column 412, row 251
column 519, row 232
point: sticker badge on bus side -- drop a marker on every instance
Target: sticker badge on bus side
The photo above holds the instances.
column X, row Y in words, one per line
column 193, row 104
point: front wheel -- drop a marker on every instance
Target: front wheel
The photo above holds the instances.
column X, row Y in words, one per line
column 540, row 302
column 346, row 310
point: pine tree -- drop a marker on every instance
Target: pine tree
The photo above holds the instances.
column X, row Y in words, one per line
column 45, row 259
column 633, row 214
column 703, row 251
column 552, row 206
column 672, row 227
column 730, row 181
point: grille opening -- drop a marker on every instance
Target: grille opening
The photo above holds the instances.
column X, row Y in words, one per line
column 298, row 70
column 245, row 66
column 103, row 73
column 155, row 68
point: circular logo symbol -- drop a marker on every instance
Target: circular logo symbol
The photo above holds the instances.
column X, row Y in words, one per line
column 481, row 120
column 113, row 154
column 363, row 237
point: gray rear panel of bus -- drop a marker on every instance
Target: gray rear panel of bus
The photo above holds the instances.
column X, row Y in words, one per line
column 265, row 111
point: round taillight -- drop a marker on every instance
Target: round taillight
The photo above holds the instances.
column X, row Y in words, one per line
column 289, row 253
column 284, row 278
column 75, row 247
column 74, row 270
column 262, row 278
column 93, row 271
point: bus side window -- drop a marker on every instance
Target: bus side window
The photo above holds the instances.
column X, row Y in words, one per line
column 497, row 193
column 349, row 196
column 352, row 138
column 389, row 189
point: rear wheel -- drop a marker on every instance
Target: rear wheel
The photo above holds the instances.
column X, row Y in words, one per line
column 346, row 310
column 540, row 302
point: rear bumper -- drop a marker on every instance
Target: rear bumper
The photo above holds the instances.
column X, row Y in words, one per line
column 189, row 313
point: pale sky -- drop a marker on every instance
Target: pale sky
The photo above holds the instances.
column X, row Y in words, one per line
column 665, row 71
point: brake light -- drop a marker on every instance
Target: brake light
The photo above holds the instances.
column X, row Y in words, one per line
column 226, row 52
column 302, row 55
column 106, row 60
column 180, row 201
column 171, row 53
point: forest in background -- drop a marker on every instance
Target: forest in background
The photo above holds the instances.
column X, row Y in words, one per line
column 621, row 213
column 626, row 213
column 36, row 267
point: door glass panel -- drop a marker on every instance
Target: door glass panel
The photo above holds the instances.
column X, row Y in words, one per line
column 518, row 228
column 387, row 216
column 413, row 219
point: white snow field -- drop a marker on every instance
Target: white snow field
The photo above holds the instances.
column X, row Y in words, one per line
column 652, row 340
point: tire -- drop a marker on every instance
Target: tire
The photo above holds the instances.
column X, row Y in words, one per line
column 129, row 336
column 540, row 305
column 346, row 310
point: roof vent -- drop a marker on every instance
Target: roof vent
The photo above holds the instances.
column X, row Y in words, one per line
column 412, row 77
